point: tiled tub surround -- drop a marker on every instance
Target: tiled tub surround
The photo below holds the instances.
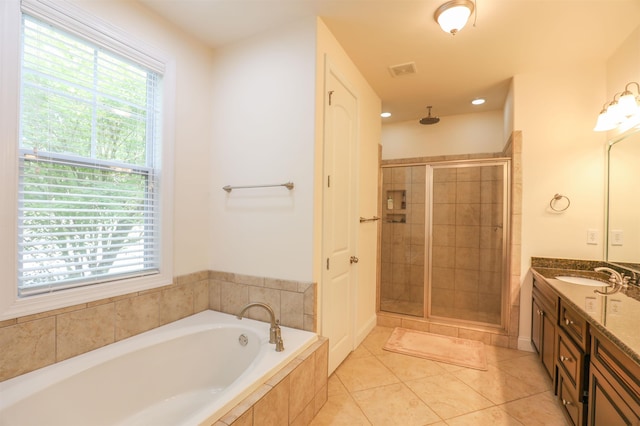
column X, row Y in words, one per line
column 35, row 341
column 203, row 372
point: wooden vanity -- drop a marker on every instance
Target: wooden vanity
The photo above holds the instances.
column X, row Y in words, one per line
column 589, row 344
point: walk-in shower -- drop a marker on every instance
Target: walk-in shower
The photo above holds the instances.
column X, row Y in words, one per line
column 444, row 253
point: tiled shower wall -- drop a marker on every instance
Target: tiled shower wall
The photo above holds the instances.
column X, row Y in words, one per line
column 403, row 234
column 467, row 236
column 35, row 341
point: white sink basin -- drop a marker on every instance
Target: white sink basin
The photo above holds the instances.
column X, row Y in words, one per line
column 582, row 281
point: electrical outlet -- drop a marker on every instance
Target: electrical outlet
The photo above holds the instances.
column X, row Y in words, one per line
column 592, row 236
column 616, row 236
column 615, row 307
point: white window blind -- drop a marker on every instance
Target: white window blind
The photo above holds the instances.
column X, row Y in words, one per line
column 89, row 207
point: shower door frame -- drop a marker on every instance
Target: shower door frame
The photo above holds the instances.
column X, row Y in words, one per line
column 506, row 246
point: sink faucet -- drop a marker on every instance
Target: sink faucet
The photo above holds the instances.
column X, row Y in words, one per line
column 275, row 335
column 617, row 280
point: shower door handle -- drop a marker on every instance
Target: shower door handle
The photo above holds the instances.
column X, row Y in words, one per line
column 353, row 259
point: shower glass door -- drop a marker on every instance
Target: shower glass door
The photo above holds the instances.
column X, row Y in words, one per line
column 467, row 241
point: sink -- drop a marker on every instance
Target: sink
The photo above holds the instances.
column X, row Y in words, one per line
column 582, row 281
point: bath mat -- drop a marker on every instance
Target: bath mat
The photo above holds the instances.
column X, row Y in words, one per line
column 450, row 350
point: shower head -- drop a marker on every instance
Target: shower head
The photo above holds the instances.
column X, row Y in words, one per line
column 429, row 119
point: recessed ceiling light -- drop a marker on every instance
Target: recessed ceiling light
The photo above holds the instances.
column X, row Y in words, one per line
column 385, row 114
column 478, row 101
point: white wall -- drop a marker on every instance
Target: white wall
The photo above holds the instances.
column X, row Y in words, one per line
column 368, row 134
column 455, row 134
column 263, row 133
column 556, row 112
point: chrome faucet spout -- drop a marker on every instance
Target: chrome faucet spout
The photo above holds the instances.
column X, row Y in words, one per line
column 275, row 334
column 616, row 277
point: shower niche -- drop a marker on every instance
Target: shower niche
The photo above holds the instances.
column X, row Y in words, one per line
column 444, row 241
column 396, row 206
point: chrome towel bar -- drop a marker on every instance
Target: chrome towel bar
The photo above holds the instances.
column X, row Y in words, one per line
column 371, row 219
column 288, row 185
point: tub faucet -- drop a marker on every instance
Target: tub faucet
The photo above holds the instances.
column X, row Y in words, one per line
column 275, row 335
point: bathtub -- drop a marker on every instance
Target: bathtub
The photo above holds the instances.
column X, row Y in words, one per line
column 188, row 372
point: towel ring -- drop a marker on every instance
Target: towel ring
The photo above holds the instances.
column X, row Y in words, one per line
column 557, row 198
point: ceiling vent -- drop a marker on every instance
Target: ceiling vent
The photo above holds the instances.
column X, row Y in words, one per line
column 403, row 69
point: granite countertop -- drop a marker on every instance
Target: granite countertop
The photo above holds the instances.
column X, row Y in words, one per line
column 616, row 316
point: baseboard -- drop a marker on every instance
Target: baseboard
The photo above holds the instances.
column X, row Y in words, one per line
column 364, row 331
column 524, row 344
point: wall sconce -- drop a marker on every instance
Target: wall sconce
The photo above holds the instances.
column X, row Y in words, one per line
column 618, row 110
column 453, row 15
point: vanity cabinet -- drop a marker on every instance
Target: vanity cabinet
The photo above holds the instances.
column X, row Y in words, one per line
column 572, row 363
column 614, row 385
column 543, row 324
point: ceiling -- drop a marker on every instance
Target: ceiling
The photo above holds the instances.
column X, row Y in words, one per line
column 509, row 37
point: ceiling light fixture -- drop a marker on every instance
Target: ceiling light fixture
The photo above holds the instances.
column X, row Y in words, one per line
column 618, row 111
column 385, row 114
column 478, row 101
column 453, row 15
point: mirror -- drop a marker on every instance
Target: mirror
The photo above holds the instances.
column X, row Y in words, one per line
column 623, row 201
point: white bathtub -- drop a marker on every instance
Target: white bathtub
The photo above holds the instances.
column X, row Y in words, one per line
column 188, row 372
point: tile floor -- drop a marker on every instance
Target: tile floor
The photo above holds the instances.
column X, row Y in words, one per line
column 376, row 387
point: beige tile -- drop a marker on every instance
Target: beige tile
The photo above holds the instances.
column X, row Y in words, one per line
column 496, row 385
column 201, row 296
column 335, row 386
column 302, row 387
column 493, row 416
column 214, row 295
column 537, row 410
column 137, row 314
column 82, row 331
column 27, row 346
column 320, row 399
column 409, row 367
column 305, row 417
column 176, row 303
column 233, row 296
column 321, row 365
column 376, row 339
column 245, row 420
column 340, row 410
column 360, row 352
column 364, row 373
column 394, row 405
column 528, row 370
column 264, row 295
column 273, row 408
column 447, row 396
column 292, row 309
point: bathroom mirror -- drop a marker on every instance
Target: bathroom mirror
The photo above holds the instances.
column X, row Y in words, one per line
column 623, row 201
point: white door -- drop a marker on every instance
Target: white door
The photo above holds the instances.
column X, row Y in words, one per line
column 339, row 219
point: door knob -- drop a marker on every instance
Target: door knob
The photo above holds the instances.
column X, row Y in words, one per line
column 353, row 259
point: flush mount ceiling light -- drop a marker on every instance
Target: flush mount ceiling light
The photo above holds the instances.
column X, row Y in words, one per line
column 385, row 114
column 453, row 15
column 619, row 110
column 478, row 101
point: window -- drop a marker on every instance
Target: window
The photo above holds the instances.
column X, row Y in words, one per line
column 92, row 182
column 88, row 207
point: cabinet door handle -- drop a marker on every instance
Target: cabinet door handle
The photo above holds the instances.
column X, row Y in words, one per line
column 565, row 402
column 567, row 321
column 540, row 312
column 564, row 358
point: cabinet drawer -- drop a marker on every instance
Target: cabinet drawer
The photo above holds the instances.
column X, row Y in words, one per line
column 574, row 325
column 546, row 297
column 573, row 408
column 570, row 359
column 621, row 370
